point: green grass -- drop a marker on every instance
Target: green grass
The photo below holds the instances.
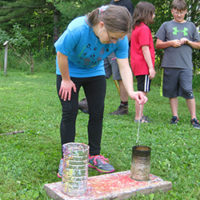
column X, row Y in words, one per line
column 29, row 160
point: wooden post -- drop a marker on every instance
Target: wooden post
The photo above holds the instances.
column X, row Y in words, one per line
column 117, row 86
column 5, row 57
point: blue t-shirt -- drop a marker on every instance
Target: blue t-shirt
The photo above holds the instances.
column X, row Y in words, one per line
column 85, row 51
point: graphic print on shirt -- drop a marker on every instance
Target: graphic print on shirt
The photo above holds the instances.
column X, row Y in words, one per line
column 91, row 55
column 184, row 31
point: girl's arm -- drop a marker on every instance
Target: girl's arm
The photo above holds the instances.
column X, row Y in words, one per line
column 127, row 78
column 147, row 57
column 66, row 85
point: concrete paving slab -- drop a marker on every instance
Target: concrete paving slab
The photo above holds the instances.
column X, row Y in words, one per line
column 117, row 185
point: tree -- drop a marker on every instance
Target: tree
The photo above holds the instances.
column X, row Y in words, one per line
column 194, row 16
column 69, row 9
column 163, row 13
column 14, row 10
column 35, row 18
column 42, row 21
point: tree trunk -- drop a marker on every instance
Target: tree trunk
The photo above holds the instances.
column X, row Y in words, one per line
column 32, row 63
column 5, row 57
column 55, row 29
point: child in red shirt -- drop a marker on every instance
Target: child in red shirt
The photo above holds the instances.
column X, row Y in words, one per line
column 142, row 52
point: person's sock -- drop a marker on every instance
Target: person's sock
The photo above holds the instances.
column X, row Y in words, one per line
column 124, row 103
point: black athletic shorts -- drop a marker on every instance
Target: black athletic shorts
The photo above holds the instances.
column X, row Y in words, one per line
column 143, row 83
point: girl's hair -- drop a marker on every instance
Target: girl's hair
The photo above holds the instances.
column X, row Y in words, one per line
column 179, row 5
column 143, row 13
column 115, row 18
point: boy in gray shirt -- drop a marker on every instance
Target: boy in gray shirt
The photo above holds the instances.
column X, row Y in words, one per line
column 178, row 37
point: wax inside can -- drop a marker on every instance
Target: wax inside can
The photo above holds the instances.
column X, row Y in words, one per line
column 140, row 165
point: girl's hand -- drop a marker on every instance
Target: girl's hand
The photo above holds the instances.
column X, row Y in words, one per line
column 152, row 73
column 66, row 89
column 139, row 97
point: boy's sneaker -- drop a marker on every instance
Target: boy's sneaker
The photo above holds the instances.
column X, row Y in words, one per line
column 195, row 123
column 60, row 169
column 83, row 105
column 174, row 120
column 101, row 164
column 122, row 110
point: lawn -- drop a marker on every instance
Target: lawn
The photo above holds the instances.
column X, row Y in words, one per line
column 29, row 160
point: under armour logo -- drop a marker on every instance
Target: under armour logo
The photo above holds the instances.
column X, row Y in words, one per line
column 176, row 31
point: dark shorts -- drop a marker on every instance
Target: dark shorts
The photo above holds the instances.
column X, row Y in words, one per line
column 143, row 83
column 111, row 67
column 177, row 82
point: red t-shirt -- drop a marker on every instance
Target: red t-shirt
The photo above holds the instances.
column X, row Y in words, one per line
column 141, row 36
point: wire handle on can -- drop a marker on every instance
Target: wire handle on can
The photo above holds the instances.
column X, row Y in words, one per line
column 138, row 130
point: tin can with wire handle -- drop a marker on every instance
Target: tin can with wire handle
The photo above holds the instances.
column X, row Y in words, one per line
column 140, row 165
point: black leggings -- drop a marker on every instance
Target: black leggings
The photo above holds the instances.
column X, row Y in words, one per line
column 95, row 89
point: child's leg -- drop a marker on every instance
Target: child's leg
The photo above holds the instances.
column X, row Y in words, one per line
column 174, row 106
column 95, row 89
column 123, row 93
column 143, row 85
column 192, row 107
column 187, row 92
column 171, row 88
column 139, row 109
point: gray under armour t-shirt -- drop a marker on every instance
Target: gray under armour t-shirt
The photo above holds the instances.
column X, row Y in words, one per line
column 180, row 57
